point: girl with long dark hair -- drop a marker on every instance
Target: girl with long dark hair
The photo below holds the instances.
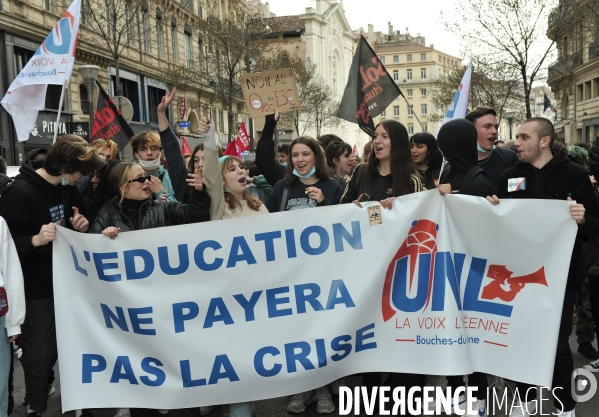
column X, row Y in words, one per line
column 390, row 171
column 427, row 158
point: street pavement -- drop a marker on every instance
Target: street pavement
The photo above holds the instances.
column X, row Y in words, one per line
column 277, row 407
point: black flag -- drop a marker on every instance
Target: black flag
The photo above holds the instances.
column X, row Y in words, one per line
column 109, row 123
column 370, row 89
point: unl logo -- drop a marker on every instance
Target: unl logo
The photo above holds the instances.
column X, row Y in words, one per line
column 418, row 275
column 58, row 41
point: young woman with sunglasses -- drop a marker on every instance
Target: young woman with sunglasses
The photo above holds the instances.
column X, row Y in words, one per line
column 133, row 208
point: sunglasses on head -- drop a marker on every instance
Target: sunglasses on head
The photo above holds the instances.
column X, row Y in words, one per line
column 141, row 180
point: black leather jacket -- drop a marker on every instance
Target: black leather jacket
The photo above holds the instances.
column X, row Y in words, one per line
column 157, row 214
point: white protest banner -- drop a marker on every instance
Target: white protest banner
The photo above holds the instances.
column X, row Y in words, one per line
column 235, row 310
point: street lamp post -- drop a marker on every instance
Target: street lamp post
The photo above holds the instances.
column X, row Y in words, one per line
column 89, row 73
column 510, row 119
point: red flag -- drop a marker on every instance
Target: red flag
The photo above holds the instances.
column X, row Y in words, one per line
column 109, row 123
column 185, row 148
column 355, row 150
column 232, row 150
column 242, row 140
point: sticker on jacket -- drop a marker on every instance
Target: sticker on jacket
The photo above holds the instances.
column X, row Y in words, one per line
column 516, row 184
column 57, row 214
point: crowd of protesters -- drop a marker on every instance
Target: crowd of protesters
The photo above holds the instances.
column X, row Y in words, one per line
column 87, row 189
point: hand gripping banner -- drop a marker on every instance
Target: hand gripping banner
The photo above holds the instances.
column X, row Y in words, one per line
column 234, row 310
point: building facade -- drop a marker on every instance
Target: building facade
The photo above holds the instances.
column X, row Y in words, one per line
column 574, row 79
column 321, row 36
column 165, row 33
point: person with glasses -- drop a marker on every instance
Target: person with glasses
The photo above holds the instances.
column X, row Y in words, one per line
column 133, row 208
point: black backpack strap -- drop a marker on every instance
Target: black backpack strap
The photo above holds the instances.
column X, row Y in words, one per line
column 284, row 199
column 472, row 172
column 502, row 153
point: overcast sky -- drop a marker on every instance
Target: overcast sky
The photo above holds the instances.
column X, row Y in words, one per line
column 420, row 16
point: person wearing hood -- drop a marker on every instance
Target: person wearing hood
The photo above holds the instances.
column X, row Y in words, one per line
column 457, row 141
column 36, row 202
column 541, row 174
column 36, row 157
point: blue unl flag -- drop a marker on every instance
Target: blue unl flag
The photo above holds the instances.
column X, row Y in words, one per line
column 459, row 106
column 52, row 63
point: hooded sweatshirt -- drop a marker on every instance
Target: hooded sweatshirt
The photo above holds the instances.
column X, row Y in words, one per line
column 558, row 179
column 28, row 204
column 457, row 141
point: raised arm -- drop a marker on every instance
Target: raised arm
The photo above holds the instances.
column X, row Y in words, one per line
column 177, row 170
column 266, row 160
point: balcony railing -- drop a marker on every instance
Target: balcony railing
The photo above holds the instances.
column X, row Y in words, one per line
column 563, row 65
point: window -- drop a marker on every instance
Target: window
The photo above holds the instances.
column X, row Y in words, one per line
column 409, row 76
column 146, row 44
column 154, row 98
column 424, row 127
column 409, row 57
column 410, row 92
column 187, row 4
column 410, row 110
column 382, row 58
column 440, row 60
column 410, row 128
column 187, row 34
column 423, row 73
column 200, row 11
column 383, row 113
column 423, row 57
column 396, row 75
column 110, row 16
column 159, row 34
column 221, row 122
column 129, row 22
column 423, row 109
column 395, row 58
column 174, row 45
column 200, row 51
column 396, row 111
column 83, row 99
column 423, row 92
column 48, row 5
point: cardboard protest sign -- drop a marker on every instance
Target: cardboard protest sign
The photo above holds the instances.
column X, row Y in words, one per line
column 263, row 92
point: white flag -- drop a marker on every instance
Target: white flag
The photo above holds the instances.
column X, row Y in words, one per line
column 52, row 63
column 459, row 105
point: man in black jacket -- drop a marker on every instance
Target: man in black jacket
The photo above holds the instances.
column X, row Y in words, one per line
column 541, row 174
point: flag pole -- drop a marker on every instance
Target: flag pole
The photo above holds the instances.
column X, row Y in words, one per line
column 64, row 87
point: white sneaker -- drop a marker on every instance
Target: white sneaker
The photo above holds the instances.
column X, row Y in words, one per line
column 324, row 401
column 51, row 391
column 593, row 366
column 300, row 401
column 480, row 409
column 461, row 404
column 571, row 413
column 524, row 409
